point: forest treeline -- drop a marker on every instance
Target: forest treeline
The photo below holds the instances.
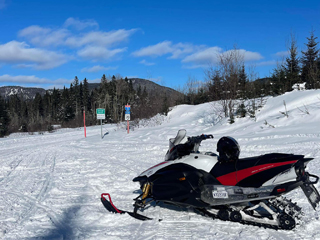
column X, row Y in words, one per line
column 66, row 106
column 225, row 82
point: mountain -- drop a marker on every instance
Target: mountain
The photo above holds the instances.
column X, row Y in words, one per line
column 25, row 92
column 152, row 89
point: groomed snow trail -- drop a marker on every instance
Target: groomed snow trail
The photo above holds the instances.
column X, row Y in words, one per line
column 51, row 184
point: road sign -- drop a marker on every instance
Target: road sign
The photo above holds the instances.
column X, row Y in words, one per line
column 127, row 117
column 127, row 109
column 101, row 113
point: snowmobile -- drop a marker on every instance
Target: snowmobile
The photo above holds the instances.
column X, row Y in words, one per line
column 246, row 190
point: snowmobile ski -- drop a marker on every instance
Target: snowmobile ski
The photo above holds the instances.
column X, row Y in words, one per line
column 111, row 208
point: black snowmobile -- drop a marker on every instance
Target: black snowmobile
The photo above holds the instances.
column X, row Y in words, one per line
column 247, row 190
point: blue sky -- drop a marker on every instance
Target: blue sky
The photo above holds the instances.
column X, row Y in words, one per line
column 48, row 43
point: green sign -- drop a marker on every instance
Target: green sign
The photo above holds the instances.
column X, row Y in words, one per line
column 100, row 111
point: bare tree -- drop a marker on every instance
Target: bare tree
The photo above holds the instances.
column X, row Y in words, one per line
column 225, row 78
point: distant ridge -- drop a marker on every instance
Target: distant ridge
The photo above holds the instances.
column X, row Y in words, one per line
column 152, row 89
column 24, row 92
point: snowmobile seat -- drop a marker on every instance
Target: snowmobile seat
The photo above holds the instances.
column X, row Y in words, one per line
column 243, row 163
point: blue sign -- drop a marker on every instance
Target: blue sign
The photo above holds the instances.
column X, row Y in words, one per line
column 127, row 109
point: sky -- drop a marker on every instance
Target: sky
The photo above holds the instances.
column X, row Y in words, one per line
column 47, row 43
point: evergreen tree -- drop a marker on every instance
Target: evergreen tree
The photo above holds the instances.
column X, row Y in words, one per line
column 85, row 94
column 68, row 105
column 215, row 85
column 242, row 82
column 57, row 113
column 76, row 94
column 38, row 109
column 310, row 71
column 165, row 105
column 81, row 97
column 278, row 80
column 4, row 119
column 292, row 66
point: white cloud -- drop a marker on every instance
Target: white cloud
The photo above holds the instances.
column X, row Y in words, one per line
column 209, row 56
column 94, row 45
column 22, row 79
column 80, row 24
column 44, row 36
column 98, row 68
column 144, row 62
column 181, row 49
column 178, row 50
column 99, row 53
column 20, row 53
column 282, row 54
column 155, row 50
column 99, row 38
column 204, row 57
column 247, row 55
column 48, row 37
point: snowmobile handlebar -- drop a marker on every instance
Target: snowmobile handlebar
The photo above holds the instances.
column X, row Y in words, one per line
column 198, row 139
column 191, row 146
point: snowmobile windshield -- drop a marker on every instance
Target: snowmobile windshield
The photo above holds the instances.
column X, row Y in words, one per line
column 175, row 141
column 177, row 150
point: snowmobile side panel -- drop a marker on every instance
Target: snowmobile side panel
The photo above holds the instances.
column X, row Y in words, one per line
column 198, row 161
column 180, row 184
column 224, row 168
column 221, row 195
column 283, row 177
column 254, row 176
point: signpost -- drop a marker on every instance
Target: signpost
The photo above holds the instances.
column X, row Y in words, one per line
column 127, row 115
column 101, row 114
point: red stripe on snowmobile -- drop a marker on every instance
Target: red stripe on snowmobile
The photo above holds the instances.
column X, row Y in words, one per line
column 155, row 166
column 231, row 179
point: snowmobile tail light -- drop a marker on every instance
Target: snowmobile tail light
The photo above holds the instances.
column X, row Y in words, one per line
column 280, row 190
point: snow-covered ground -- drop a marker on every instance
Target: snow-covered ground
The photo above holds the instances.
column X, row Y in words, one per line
column 50, row 184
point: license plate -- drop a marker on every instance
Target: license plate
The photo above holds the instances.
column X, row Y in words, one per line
column 220, row 194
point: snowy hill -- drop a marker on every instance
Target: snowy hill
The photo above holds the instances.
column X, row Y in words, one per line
column 51, row 184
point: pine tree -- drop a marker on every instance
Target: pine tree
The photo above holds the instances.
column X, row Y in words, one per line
column 85, row 94
column 81, row 97
column 292, row 66
column 76, row 94
column 165, row 105
column 4, row 118
column 310, row 71
column 242, row 82
column 278, row 80
column 215, row 85
column 57, row 113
